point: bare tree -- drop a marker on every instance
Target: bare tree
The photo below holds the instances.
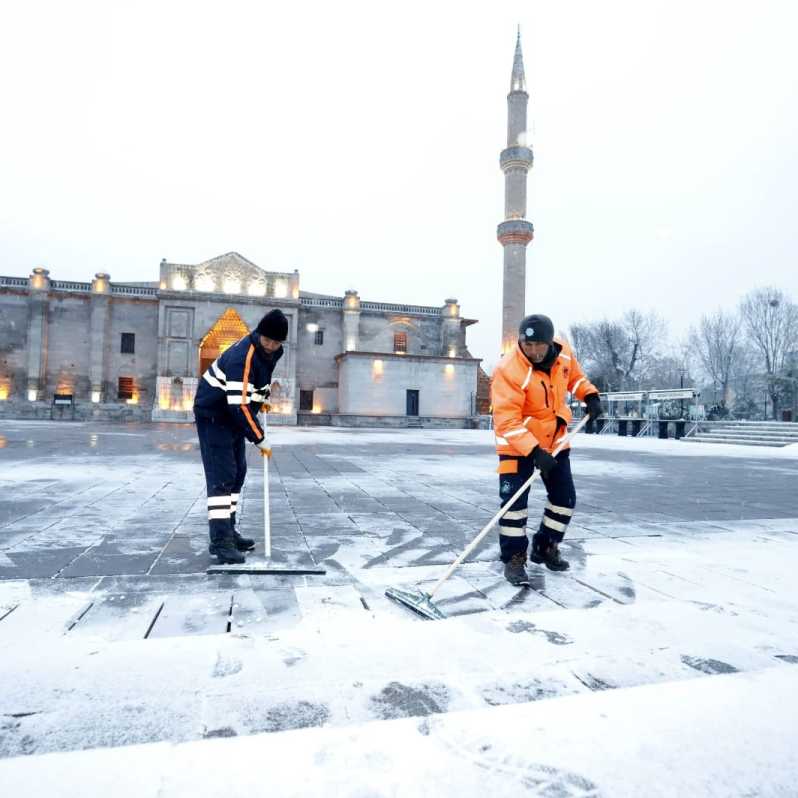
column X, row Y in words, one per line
column 716, row 342
column 771, row 320
column 618, row 353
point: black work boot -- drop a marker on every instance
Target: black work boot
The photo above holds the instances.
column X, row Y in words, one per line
column 546, row 552
column 224, row 548
column 242, row 543
column 514, row 571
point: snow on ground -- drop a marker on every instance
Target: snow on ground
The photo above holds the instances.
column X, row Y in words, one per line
column 723, row 737
column 476, row 467
column 335, row 436
column 663, row 663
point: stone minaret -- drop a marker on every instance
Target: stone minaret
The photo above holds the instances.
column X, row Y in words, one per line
column 515, row 232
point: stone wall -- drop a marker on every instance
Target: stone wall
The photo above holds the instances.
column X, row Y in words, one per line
column 140, row 318
column 13, row 343
column 374, row 384
column 383, row 422
column 377, row 333
column 316, row 368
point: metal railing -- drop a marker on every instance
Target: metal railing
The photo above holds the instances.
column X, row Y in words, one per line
column 318, row 302
column 69, row 285
column 334, row 302
column 422, row 310
column 14, row 282
column 134, row 290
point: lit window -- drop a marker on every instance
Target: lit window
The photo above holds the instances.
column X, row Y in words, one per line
column 126, row 388
column 400, row 343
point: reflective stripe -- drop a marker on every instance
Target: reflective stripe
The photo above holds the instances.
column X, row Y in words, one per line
column 528, row 378
column 259, row 394
column 564, row 356
column 515, row 515
column 237, row 399
column 218, row 501
column 244, row 409
column 500, row 440
column 220, row 375
column 212, row 380
column 234, row 497
column 559, row 510
column 515, row 432
column 555, row 525
column 577, row 384
column 217, row 514
column 527, row 420
column 512, row 531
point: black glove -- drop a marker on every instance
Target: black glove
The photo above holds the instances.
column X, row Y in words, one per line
column 593, row 406
column 543, row 461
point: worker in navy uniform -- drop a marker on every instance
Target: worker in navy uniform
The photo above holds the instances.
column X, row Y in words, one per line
column 235, row 387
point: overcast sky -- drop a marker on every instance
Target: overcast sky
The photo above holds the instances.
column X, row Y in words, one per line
column 359, row 143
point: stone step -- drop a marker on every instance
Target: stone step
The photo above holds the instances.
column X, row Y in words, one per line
column 665, row 609
column 354, row 667
column 741, row 441
column 745, row 431
column 756, row 424
column 693, row 737
column 754, row 436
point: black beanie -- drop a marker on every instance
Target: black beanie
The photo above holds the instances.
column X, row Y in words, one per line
column 274, row 325
column 536, row 327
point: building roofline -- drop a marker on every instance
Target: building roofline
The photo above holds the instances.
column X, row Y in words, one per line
column 394, row 356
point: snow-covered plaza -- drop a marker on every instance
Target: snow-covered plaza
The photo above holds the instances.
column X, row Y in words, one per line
column 662, row 664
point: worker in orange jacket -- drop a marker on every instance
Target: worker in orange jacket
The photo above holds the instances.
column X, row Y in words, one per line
column 530, row 416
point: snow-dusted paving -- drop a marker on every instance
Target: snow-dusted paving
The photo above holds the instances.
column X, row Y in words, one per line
column 680, row 611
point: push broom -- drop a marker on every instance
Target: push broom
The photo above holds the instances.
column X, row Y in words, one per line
column 420, row 601
column 265, row 566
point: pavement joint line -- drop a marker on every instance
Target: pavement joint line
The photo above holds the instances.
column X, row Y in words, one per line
column 173, row 534
column 76, row 557
column 154, row 619
column 78, row 617
column 8, row 612
column 596, row 590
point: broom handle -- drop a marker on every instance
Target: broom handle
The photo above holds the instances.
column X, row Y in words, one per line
column 478, row 539
column 267, row 522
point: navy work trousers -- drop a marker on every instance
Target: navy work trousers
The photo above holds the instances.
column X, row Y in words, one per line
column 561, row 495
column 225, row 463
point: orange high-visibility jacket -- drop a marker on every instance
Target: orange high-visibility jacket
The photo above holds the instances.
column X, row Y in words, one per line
column 527, row 402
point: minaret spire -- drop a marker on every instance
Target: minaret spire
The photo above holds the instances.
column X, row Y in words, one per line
column 515, row 232
column 518, row 80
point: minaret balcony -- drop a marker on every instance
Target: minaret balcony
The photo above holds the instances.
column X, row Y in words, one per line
column 515, row 231
column 516, row 158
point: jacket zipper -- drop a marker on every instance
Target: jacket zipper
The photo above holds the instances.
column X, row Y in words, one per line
column 545, row 392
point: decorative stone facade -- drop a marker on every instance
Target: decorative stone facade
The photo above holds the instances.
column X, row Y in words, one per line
column 135, row 351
